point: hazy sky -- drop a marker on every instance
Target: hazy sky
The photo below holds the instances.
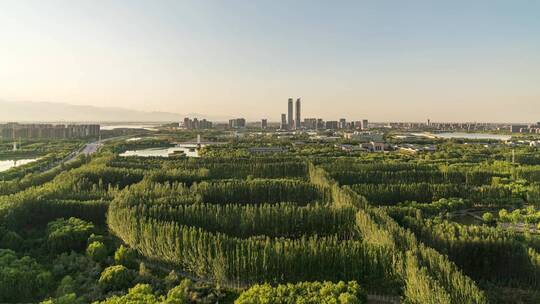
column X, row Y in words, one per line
column 382, row 60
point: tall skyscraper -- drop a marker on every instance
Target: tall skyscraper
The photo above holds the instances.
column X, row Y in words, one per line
column 283, row 125
column 365, row 124
column 298, row 119
column 264, row 123
column 290, row 114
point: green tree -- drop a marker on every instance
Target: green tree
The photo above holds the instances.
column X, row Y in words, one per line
column 65, row 235
column 22, row 279
column 116, row 277
column 126, row 256
column 180, row 293
column 139, row 294
column 66, row 286
column 97, row 251
column 69, row 298
column 488, row 218
column 11, row 240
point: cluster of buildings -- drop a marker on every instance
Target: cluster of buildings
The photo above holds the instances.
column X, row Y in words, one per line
column 534, row 128
column 342, row 124
column 290, row 121
column 15, row 131
column 465, row 127
column 293, row 121
column 195, row 124
column 443, row 126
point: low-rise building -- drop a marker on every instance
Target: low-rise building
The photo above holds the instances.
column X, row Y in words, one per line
column 518, row 128
column 413, row 148
column 375, row 146
column 351, row 148
column 364, row 136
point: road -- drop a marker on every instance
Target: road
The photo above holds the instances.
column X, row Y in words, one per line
column 91, row 148
column 87, row 149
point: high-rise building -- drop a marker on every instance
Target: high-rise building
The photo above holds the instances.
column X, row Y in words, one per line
column 237, row 123
column 15, row 130
column 365, row 124
column 205, row 124
column 310, row 123
column 320, row 124
column 290, row 114
column 187, row 123
column 342, row 123
column 264, row 123
column 298, row 119
column 332, row 125
column 283, row 125
column 195, row 124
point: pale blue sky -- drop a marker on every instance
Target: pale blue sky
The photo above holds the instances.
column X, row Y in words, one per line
column 382, row 60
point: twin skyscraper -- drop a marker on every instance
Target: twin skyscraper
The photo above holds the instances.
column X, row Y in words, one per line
column 287, row 122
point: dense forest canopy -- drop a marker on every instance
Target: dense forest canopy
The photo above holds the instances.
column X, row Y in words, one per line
column 459, row 225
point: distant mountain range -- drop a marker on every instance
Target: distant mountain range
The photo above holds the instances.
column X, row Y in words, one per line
column 28, row 111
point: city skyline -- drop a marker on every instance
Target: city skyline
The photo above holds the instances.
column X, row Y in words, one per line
column 388, row 61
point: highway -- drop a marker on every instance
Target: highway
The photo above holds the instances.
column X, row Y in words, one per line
column 87, row 149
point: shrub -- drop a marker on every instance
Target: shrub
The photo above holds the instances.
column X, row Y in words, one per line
column 488, row 218
column 65, row 235
column 116, row 277
column 21, row 279
column 66, row 286
column 126, row 257
column 11, row 240
column 141, row 293
column 180, row 293
column 305, row 292
column 97, row 251
column 70, row 298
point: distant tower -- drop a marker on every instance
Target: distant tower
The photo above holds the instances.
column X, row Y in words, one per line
column 264, row 123
column 14, row 140
column 290, row 114
column 342, row 123
column 428, row 122
column 283, row 125
column 298, row 120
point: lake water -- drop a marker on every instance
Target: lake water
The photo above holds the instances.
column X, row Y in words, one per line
column 161, row 152
column 8, row 164
column 151, row 127
column 449, row 135
column 472, row 136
